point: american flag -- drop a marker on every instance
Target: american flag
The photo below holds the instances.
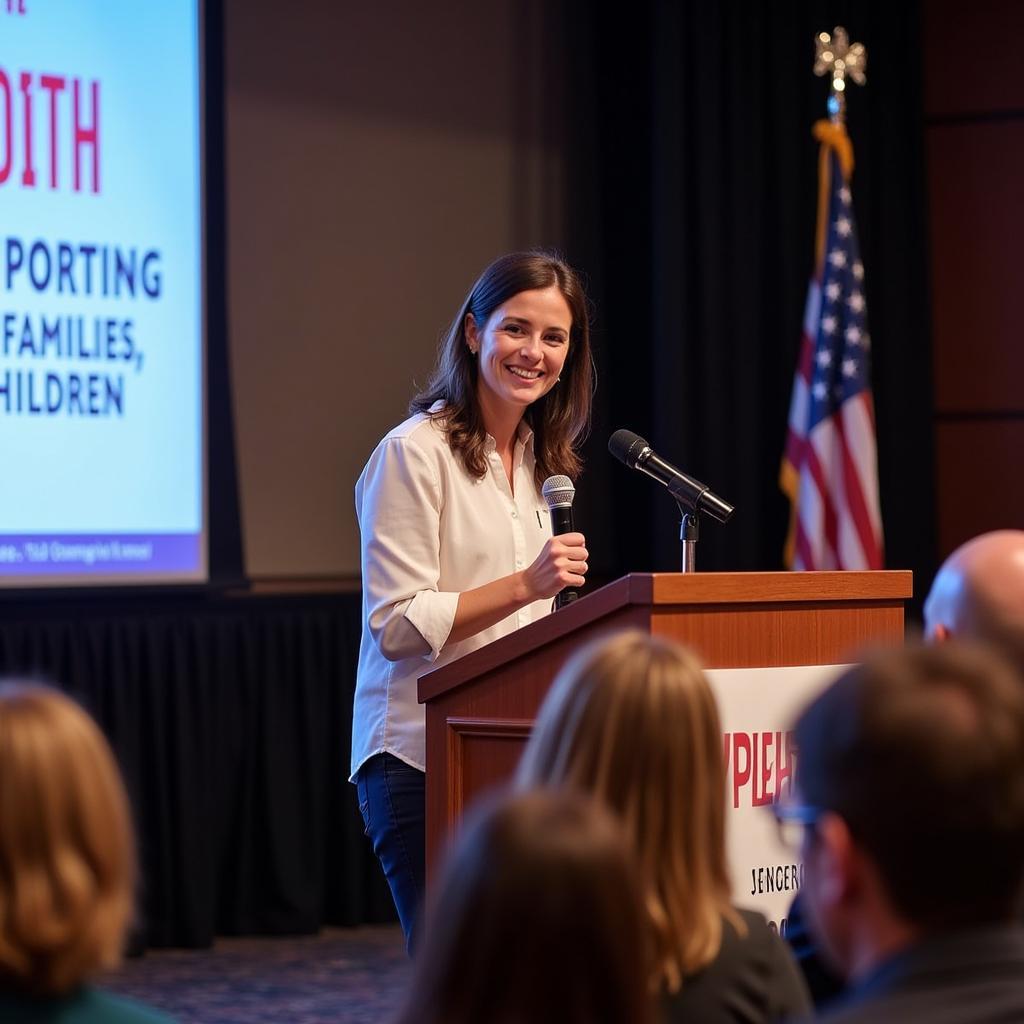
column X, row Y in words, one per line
column 829, row 470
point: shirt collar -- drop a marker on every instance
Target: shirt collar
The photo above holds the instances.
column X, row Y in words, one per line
column 524, row 432
column 941, row 953
column 524, row 436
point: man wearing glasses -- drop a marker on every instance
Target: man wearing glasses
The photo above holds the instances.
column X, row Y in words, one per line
column 910, row 813
column 977, row 594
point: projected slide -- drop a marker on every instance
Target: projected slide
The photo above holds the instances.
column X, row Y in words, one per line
column 101, row 293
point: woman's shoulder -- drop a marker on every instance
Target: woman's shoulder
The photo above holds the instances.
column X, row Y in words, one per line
column 86, row 1006
column 764, row 954
column 752, row 979
column 754, row 938
column 111, row 1009
column 425, row 429
column 416, row 448
column 421, row 435
column 756, row 924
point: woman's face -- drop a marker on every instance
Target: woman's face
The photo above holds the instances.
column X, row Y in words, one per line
column 521, row 349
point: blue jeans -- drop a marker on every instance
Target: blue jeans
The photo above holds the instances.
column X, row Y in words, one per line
column 392, row 799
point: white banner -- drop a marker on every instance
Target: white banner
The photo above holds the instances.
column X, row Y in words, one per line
column 758, row 707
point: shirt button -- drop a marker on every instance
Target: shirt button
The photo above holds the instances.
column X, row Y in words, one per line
column 515, row 514
column 519, row 563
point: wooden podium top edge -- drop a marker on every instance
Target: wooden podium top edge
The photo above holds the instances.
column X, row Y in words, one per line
column 672, row 589
column 758, row 587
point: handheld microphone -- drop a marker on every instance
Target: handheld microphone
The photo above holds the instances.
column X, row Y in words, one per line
column 636, row 453
column 558, row 492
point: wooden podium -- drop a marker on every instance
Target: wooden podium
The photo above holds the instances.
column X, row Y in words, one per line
column 480, row 709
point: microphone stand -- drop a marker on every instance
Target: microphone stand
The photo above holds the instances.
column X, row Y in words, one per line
column 689, row 534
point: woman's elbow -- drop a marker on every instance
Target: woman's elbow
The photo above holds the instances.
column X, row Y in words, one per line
column 398, row 639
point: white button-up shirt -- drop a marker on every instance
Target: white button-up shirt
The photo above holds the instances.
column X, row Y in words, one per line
column 430, row 531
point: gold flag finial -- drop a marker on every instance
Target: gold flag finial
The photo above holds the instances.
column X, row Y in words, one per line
column 835, row 55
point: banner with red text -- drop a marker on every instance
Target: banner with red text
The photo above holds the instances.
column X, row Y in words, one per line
column 758, row 707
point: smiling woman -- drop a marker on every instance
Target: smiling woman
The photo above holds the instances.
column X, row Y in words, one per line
column 521, row 350
column 546, row 293
column 457, row 547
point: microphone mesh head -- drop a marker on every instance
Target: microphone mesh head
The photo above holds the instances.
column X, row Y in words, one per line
column 626, row 446
column 558, row 490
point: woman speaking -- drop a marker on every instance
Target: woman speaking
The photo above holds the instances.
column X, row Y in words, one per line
column 456, row 539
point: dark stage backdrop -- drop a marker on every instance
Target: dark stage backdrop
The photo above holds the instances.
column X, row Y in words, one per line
column 693, row 184
column 231, row 720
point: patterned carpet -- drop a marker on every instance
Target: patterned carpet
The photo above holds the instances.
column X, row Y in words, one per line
column 345, row 976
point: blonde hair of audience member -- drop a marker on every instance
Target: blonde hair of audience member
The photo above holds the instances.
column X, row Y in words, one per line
column 535, row 920
column 633, row 721
column 67, row 868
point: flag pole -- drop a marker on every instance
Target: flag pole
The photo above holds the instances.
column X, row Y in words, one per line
column 829, row 466
column 835, row 55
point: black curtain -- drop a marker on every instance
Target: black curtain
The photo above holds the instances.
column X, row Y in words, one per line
column 692, row 203
column 226, row 560
column 231, row 720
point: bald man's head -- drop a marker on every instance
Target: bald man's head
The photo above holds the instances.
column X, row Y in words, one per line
column 979, row 593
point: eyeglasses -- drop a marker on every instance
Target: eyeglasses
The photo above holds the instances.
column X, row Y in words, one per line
column 793, row 821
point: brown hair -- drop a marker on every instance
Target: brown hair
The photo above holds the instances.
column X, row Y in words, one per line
column 536, row 920
column 67, row 867
column 921, row 752
column 560, row 419
column 633, row 721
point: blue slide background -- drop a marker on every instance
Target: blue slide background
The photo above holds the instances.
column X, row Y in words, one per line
column 113, row 478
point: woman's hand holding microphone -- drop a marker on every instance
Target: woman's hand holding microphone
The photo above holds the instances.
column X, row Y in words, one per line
column 561, row 563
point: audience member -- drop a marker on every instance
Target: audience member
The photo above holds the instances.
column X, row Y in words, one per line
column 632, row 721
column 977, row 594
column 911, row 793
column 536, row 920
column 67, row 868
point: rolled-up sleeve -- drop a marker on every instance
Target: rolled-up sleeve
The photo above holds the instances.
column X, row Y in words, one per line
column 398, row 499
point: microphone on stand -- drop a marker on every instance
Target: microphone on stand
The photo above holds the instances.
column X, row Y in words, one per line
column 558, row 492
column 636, row 453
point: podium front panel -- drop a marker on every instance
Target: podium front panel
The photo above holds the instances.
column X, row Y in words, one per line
column 479, row 710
